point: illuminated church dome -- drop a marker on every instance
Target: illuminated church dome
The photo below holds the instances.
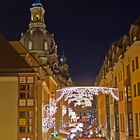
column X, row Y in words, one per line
column 37, row 39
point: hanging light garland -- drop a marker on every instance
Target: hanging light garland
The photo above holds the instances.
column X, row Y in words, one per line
column 71, row 93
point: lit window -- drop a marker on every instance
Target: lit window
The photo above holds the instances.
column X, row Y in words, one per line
column 22, row 102
column 32, row 18
column 30, row 87
column 30, row 45
column 130, row 124
column 30, row 129
column 45, row 46
column 22, row 79
column 37, row 17
column 30, row 121
column 30, row 114
column 129, row 93
column 22, row 139
column 29, row 95
column 30, row 79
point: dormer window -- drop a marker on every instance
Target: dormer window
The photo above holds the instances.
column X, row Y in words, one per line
column 45, row 46
column 30, row 45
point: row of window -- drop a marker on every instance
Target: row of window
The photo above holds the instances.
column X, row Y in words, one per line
column 117, row 78
column 45, row 45
column 28, row 102
column 26, row 87
column 26, row 121
column 26, row 91
column 130, row 124
column 28, row 114
column 26, row 97
column 26, row 129
column 135, row 66
column 136, row 92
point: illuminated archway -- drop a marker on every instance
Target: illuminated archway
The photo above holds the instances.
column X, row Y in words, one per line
column 73, row 92
column 77, row 94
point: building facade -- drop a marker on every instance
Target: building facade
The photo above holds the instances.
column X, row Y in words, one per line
column 121, row 69
column 30, row 75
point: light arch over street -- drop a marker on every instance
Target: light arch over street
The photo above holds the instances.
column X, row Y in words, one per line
column 71, row 93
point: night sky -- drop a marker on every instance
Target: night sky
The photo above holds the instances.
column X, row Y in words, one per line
column 83, row 28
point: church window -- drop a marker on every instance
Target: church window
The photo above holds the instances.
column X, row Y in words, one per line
column 45, row 46
column 37, row 17
column 32, row 18
column 30, row 45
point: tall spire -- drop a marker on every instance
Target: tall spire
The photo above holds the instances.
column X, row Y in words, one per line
column 63, row 59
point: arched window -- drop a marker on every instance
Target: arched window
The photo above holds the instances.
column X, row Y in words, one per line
column 37, row 17
column 30, row 45
column 45, row 46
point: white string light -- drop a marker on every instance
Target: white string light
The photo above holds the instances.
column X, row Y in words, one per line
column 48, row 120
column 71, row 93
column 64, row 110
column 82, row 96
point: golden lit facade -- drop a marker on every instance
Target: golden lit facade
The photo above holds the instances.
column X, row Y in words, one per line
column 121, row 69
column 30, row 74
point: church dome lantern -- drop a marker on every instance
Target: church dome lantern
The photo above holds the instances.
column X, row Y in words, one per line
column 37, row 15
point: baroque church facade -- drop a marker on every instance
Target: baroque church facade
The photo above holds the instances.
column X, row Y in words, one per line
column 39, row 42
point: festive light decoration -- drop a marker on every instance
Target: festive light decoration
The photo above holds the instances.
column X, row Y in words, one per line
column 64, row 110
column 54, row 134
column 72, row 93
column 84, row 102
column 81, row 95
column 72, row 115
column 48, row 120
